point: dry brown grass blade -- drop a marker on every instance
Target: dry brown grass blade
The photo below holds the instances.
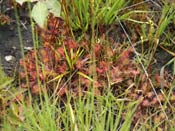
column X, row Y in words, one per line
column 168, row 51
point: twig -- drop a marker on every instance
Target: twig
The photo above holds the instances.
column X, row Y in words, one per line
column 155, row 3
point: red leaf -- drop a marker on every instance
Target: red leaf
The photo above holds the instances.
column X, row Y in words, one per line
column 103, row 67
column 61, row 92
column 22, row 75
column 71, row 44
column 33, row 75
column 35, row 89
column 41, row 75
column 61, row 51
column 126, row 54
column 99, row 70
column 23, row 85
column 62, row 68
column 97, row 49
column 19, row 97
column 79, row 64
column 146, row 103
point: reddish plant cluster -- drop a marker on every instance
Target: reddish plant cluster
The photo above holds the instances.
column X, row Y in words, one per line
column 149, row 101
column 70, row 62
column 48, row 63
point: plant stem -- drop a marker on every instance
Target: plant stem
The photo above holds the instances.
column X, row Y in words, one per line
column 64, row 6
column 94, row 75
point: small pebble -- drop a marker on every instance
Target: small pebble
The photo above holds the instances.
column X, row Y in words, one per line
column 28, row 48
column 14, row 47
column 9, row 58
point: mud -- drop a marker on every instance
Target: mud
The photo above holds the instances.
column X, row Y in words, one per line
column 9, row 39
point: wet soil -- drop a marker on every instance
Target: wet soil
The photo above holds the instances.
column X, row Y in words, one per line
column 10, row 46
column 9, row 39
